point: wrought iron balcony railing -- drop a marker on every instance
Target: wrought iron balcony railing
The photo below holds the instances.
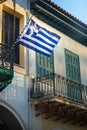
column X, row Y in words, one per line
column 6, row 66
column 56, row 85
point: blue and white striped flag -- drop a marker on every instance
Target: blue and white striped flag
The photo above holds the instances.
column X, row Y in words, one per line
column 38, row 39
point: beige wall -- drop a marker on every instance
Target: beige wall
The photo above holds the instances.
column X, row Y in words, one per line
column 50, row 124
column 40, row 123
column 21, row 14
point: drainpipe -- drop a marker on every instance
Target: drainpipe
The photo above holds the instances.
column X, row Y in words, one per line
column 28, row 71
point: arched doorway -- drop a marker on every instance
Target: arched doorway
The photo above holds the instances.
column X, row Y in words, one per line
column 3, row 125
column 8, row 121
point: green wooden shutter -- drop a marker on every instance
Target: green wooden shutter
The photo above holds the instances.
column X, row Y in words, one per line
column 44, row 65
column 73, row 73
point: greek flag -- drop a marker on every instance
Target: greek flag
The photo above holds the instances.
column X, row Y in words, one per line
column 38, row 39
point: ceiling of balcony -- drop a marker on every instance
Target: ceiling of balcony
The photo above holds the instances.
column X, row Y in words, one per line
column 59, row 110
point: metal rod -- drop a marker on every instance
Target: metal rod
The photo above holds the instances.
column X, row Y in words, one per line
column 14, row 20
column 28, row 72
column 12, row 49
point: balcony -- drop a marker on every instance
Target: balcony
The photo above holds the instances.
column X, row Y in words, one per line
column 54, row 85
column 60, row 98
column 6, row 66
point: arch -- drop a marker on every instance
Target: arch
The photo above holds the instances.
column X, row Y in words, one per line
column 10, row 119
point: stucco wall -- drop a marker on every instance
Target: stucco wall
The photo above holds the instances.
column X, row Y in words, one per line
column 59, row 53
column 15, row 95
column 50, row 124
column 74, row 47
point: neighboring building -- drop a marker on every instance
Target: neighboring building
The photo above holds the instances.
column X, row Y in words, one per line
column 59, row 86
column 13, row 98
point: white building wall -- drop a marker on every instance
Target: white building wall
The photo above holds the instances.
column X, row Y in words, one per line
column 75, row 47
column 16, row 98
column 59, row 53
column 15, row 95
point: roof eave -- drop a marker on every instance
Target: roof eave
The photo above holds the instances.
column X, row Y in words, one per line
column 60, row 21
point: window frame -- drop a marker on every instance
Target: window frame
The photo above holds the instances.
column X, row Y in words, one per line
column 45, row 67
column 72, row 66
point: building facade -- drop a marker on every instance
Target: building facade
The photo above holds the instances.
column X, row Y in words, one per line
column 41, row 82
column 14, row 97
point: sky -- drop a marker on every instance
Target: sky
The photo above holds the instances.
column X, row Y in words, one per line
column 78, row 8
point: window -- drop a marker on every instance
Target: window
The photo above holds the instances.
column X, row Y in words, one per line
column 73, row 73
column 7, row 33
column 72, row 66
column 44, row 65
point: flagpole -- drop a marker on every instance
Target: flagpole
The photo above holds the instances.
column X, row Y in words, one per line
column 12, row 49
column 14, row 21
